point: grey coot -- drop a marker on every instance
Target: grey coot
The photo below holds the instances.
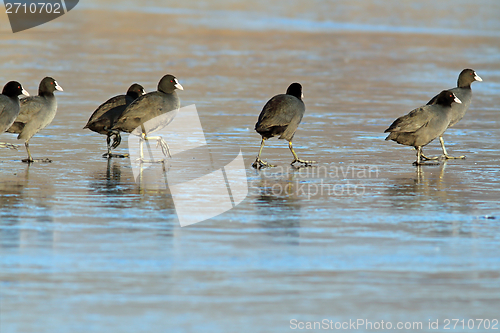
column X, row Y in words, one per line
column 105, row 116
column 157, row 104
column 281, row 116
column 464, row 92
column 424, row 124
column 10, row 106
column 36, row 113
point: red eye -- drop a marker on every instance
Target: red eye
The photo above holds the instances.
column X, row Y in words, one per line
column 171, row 80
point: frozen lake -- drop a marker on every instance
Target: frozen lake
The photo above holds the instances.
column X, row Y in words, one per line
column 363, row 235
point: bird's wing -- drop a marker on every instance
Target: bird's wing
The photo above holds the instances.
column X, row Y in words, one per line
column 272, row 114
column 3, row 120
column 411, row 122
column 29, row 107
column 143, row 109
column 106, row 106
column 137, row 107
column 1, row 109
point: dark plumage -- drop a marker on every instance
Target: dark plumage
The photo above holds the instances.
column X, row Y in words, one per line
column 422, row 125
column 106, row 115
column 463, row 92
column 281, row 116
column 150, row 105
column 36, row 113
column 163, row 102
column 10, row 106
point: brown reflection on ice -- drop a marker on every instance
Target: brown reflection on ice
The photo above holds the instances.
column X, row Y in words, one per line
column 115, row 186
column 366, row 254
column 277, row 189
column 25, row 197
column 278, row 206
column 109, row 181
column 11, row 199
column 429, row 185
column 22, row 188
column 12, row 193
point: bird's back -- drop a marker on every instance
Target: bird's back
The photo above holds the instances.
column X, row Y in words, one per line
column 280, row 116
column 35, row 114
column 105, row 116
column 145, row 108
column 9, row 110
column 420, row 126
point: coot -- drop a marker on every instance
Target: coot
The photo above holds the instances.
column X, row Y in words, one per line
column 424, row 124
column 464, row 92
column 10, row 107
column 36, row 113
column 281, row 116
column 148, row 107
column 105, row 116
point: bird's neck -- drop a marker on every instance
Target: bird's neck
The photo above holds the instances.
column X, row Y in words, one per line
column 45, row 94
column 463, row 85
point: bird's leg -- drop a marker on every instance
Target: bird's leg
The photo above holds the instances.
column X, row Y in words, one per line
column 445, row 154
column 425, row 158
column 141, row 146
column 162, row 143
column 296, row 159
column 419, row 155
column 259, row 164
column 29, row 159
column 117, row 139
column 108, row 143
column 419, row 162
column 116, row 142
column 8, row 145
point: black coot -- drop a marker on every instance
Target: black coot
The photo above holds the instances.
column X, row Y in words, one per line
column 424, row 124
column 10, row 107
column 106, row 115
column 149, row 106
column 281, row 116
column 36, row 113
column 464, row 93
